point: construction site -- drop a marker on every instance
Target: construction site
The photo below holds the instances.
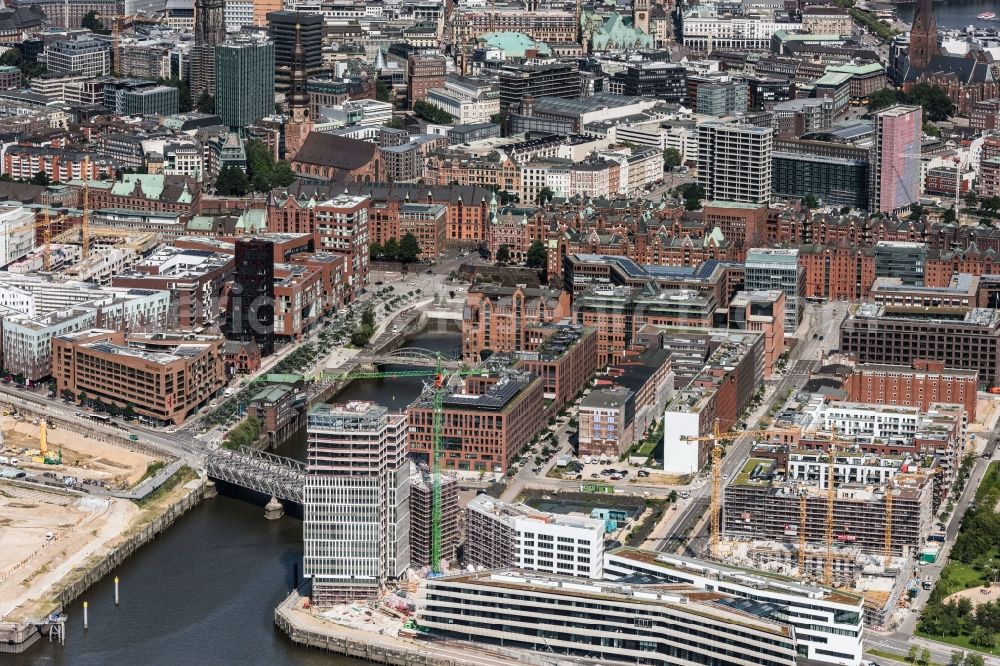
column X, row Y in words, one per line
column 57, row 509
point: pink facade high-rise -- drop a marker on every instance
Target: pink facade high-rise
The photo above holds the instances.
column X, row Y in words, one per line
column 895, row 159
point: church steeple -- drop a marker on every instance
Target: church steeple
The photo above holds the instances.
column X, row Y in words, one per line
column 923, row 36
column 300, row 123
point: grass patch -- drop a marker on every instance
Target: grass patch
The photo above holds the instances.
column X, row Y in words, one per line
column 178, row 478
column 885, row 654
column 152, row 469
column 958, row 641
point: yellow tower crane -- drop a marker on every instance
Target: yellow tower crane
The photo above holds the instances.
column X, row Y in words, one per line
column 715, row 503
column 46, row 226
column 86, row 207
column 803, row 505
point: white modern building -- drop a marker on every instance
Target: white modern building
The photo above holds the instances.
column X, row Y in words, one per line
column 84, row 56
column 356, row 501
column 501, row 535
column 567, row 620
column 828, row 624
column 467, row 100
column 17, row 234
column 681, row 421
column 734, row 161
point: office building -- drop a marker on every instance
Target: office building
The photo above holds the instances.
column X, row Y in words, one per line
column 209, row 32
column 87, row 56
column 423, row 74
column 776, row 268
column 836, row 174
column 600, row 621
column 250, row 309
column 355, row 525
column 281, row 28
column 564, row 356
column 721, row 98
column 962, row 338
column 895, row 159
column 550, row 80
column 421, row 511
column 734, row 161
column 152, row 101
column 501, row 535
column 661, row 80
column 827, row 623
column 901, row 259
column 720, row 371
column 498, row 319
column 245, row 82
column 486, row 421
column 162, row 376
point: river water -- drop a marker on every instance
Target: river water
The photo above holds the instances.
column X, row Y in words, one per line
column 204, row 592
column 955, row 13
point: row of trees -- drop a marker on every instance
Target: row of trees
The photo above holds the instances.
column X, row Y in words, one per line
column 431, row 112
column 244, row 434
column 406, row 250
column 537, row 257
column 363, row 333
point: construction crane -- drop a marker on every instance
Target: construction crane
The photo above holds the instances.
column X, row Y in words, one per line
column 439, row 389
column 85, row 226
column 117, row 22
column 803, row 514
column 46, row 226
column 715, row 503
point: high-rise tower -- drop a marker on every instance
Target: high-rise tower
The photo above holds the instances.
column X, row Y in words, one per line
column 300, row 123
column 209, row 32
column 640, row 15
column 923, row 36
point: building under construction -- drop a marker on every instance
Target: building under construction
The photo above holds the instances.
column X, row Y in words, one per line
column 421, row 505
column 762, row 502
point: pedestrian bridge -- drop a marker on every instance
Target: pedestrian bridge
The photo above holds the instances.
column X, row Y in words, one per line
column 410, row 356
column 261, row 471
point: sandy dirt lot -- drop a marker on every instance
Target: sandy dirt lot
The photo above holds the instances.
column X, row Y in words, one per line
column 83, row 458
column 30, row 562
column 977, row 595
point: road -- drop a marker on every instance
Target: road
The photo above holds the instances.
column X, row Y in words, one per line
column 900, row 640
column 689, row 529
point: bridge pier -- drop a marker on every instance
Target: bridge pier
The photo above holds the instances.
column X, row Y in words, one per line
column 274, row 509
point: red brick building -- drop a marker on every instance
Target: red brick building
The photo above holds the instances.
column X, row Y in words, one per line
column 922, row 385
column 837, row 272
column 329, row 158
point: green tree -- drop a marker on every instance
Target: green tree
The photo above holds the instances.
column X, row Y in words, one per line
column 503, row 255
column 916, row 212
column 11, row 57
column 956, row 659
column 391, row 249
column 544, row 196
column 368, row 317
column 92, row 23
column 498, row 119
column 282, row 175
column 845, row 210
column 982, row 637
column 206, row 103
column 431, row 112
column 672, row 497
column 925, row 657
column 232, row 182
column 937, row 105
column 396, row 123
column 990, row 203
column 374, row 250
column 911, row 654
column 537, row 256
column 40, row 178
column 949, row 217
column 881, row 99
column 932, row 130
column 672, row 158
column 810, row 201
column 409, row 249
column 971, row 199
column 692, row 194
column 383, row 93
column 973, row 659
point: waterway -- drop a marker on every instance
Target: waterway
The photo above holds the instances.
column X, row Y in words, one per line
column 955, row 13
column 205, row 590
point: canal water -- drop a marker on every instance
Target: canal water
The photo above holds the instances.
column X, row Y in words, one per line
column 955, row 13
column 204, row 592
